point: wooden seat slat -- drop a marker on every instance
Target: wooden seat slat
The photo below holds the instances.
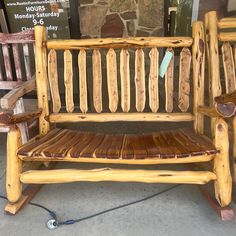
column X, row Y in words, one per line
column 29, row 148
column 114, row 150
column 89, row 150
column 187, row 144
column 83, row 141
column 39, row 150
column 63, row 143
column 127, row 151
column 101, row 151
column 151, row 147
column 60, row 147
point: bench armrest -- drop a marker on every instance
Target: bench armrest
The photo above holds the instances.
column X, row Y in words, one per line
column 209, row 111
column 9, row 100
column 7, row 119
column 226, row 104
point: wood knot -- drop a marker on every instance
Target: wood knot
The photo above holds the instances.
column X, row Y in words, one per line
column 220, row 127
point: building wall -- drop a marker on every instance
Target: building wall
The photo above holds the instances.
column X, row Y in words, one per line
column 121, row 18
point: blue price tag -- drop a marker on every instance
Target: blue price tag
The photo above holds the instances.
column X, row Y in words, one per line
column 165, row 63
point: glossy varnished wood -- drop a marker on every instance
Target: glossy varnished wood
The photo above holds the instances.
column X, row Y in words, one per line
column 61, row 143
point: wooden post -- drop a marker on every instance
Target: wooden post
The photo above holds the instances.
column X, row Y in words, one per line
column 41, row 77
column 214, row 79
column 223, row 184
column 234, row 153
column 14, row 166
column 198, row 75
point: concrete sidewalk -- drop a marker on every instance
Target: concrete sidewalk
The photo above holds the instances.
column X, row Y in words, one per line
column 181, row 211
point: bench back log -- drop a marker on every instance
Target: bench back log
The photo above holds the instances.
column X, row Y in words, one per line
column 13, row 48
column 111, row 83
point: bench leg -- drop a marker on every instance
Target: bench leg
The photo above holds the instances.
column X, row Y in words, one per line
column 223, row 184
column 27, row 196
column 14, row 166
column 234, row 160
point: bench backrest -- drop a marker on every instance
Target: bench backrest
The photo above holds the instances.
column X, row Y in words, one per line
column 15, row 64
column 118, row 80
column 220, row 35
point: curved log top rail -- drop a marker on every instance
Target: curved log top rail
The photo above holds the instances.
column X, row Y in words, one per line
column 135, row 42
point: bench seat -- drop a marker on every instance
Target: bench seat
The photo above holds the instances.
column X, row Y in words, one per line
column 65, row 143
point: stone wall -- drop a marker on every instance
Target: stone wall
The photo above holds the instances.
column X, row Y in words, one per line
column 121, row 18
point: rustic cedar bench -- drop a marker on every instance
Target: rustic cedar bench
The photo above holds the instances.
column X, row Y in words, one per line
column 220, row 33
column 169, row 147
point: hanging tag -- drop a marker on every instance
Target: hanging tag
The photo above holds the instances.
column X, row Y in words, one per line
column 165, row 63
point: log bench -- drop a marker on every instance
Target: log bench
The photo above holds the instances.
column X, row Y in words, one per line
column 166, row 147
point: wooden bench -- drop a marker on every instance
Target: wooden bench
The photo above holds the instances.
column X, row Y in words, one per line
column 220, row 34
column 166, row 147
column 16, row 74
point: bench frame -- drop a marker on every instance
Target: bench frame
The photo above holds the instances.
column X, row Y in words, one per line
column 220, row 175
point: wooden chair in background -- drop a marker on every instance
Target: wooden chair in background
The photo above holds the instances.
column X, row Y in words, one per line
column 17, row 74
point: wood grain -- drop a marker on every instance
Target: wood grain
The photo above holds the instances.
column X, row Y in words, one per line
column 72, row 144
column 41, row 77
column 17, row 61
column 68, row 80
column 112, row 86
column 14, row 166
column 169, row 83
column 7, row 62
column 223, row 185
column 135, row 42
column 229, row 67
column 153, row 80
column 117, row 175
column 125, row 79
column 198, row 52
column 140, row 88
column 110, row 117
column 82, row 81
column 184, row 79
column 53, row 80
column 97, row 81
column 26, row 55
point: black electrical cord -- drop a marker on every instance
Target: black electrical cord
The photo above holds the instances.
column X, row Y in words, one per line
column 52, row 214
column 70, row 222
